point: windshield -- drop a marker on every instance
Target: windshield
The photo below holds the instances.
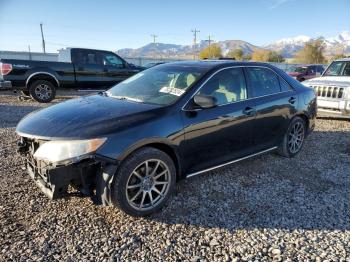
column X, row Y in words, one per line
column 338, row 68
column 161, row 85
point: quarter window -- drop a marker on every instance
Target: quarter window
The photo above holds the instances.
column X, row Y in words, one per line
column 263, row 81
column 227, row 86
column 284, row 85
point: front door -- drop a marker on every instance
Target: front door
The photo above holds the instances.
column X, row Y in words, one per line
column 116, row 69
column 220, row 134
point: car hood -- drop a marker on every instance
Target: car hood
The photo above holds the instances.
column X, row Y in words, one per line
column 82, row 118
column 329, row 80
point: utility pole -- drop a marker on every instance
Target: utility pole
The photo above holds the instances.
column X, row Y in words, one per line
column 154, row 38
column 195, row 31
column 42, row 37
column 154, row 45
column 209, row 44
column 30, row 53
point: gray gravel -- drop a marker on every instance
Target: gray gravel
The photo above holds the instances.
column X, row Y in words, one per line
column 267, row 208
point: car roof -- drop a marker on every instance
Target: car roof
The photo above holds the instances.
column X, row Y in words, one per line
column 212, row 64
column 343, row 59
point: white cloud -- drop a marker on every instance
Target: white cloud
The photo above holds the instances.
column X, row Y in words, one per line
column 276, row 3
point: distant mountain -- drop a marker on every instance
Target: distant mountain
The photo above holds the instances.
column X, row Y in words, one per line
column 183, row 51
column 286, row 46
column 333, row 45
column 289, row 46
column 156, row 49
column 228, row 45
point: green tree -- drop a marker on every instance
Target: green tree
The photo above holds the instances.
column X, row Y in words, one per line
column 311, row 53
column 338, row 56
column 212, row 51
column 262, row 55
column 275, row 57
column 236, row 54
column 247, row 57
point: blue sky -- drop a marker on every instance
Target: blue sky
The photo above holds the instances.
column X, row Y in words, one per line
column 119, row 24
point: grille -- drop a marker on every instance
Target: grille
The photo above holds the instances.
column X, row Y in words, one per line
column 329, row 91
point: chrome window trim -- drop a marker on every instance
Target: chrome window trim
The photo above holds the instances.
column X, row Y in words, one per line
column 230, row 67
column 42, row 73
column 230, row 162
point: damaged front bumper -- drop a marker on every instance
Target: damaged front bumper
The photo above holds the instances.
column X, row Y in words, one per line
column 86, row 175
column 54, row 182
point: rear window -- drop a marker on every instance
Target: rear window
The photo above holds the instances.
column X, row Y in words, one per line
column 263, row 81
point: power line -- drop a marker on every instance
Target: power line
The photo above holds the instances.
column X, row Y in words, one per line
column 195, row 31
column 42, row 37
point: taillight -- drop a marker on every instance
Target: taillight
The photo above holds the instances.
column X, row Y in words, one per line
column 5, row 68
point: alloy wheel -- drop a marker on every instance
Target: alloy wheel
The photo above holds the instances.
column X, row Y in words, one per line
column 148, row 184
column 296, row 137
column 43, row 91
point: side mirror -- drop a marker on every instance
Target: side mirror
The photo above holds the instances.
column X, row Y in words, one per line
column 204, row 101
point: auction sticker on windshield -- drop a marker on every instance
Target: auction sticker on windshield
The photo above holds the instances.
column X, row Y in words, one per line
column 172, row 90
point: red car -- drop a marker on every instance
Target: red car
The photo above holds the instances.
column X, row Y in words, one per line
column 305, row 72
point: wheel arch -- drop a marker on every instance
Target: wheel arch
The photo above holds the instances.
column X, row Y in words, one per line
column 163, row 146
column 42, row 76
column 305, row 118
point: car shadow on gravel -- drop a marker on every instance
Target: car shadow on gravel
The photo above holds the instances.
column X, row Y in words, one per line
column 310, row 191
column 11, row 114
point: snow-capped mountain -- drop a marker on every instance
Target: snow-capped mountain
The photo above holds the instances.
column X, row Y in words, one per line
column 286, row 46
column 333, row 45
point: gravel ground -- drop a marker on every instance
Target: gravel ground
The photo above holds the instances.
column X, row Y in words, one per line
column 263, row 209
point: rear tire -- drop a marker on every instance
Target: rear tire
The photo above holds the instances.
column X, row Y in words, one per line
column 293, row 140
column 144, row 182
column 42, row 91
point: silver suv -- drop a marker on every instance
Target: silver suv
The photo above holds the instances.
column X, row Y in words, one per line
column 333, row 89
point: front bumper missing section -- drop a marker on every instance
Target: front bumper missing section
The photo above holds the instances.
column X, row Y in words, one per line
column 54, row 182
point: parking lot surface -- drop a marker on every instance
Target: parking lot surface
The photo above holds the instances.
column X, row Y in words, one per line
column 260, row 209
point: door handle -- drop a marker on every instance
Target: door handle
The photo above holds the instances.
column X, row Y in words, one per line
column 292, row 100
column 249, row 111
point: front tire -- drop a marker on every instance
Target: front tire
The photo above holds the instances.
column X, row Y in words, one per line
column 42, row 91
column 144, row 182
column 293, row 140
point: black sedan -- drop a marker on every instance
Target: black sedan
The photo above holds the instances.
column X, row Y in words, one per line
column 129, row 146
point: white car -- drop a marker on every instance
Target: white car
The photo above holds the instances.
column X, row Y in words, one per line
column 333, row 89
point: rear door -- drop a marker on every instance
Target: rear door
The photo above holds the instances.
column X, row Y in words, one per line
column 89, row 69
column 275, row 102
column 115, row 68
column 217, row 135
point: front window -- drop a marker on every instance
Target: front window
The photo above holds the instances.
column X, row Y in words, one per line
column 338, row 68
column 227, row 86
column 161, row 85
column 113, row 60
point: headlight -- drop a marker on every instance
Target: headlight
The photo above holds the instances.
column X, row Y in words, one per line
column 67, row 151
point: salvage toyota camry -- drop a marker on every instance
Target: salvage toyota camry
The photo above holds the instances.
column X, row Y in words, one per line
column 129, row 146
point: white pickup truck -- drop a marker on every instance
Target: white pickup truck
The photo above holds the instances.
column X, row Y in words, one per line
column 333, row 89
